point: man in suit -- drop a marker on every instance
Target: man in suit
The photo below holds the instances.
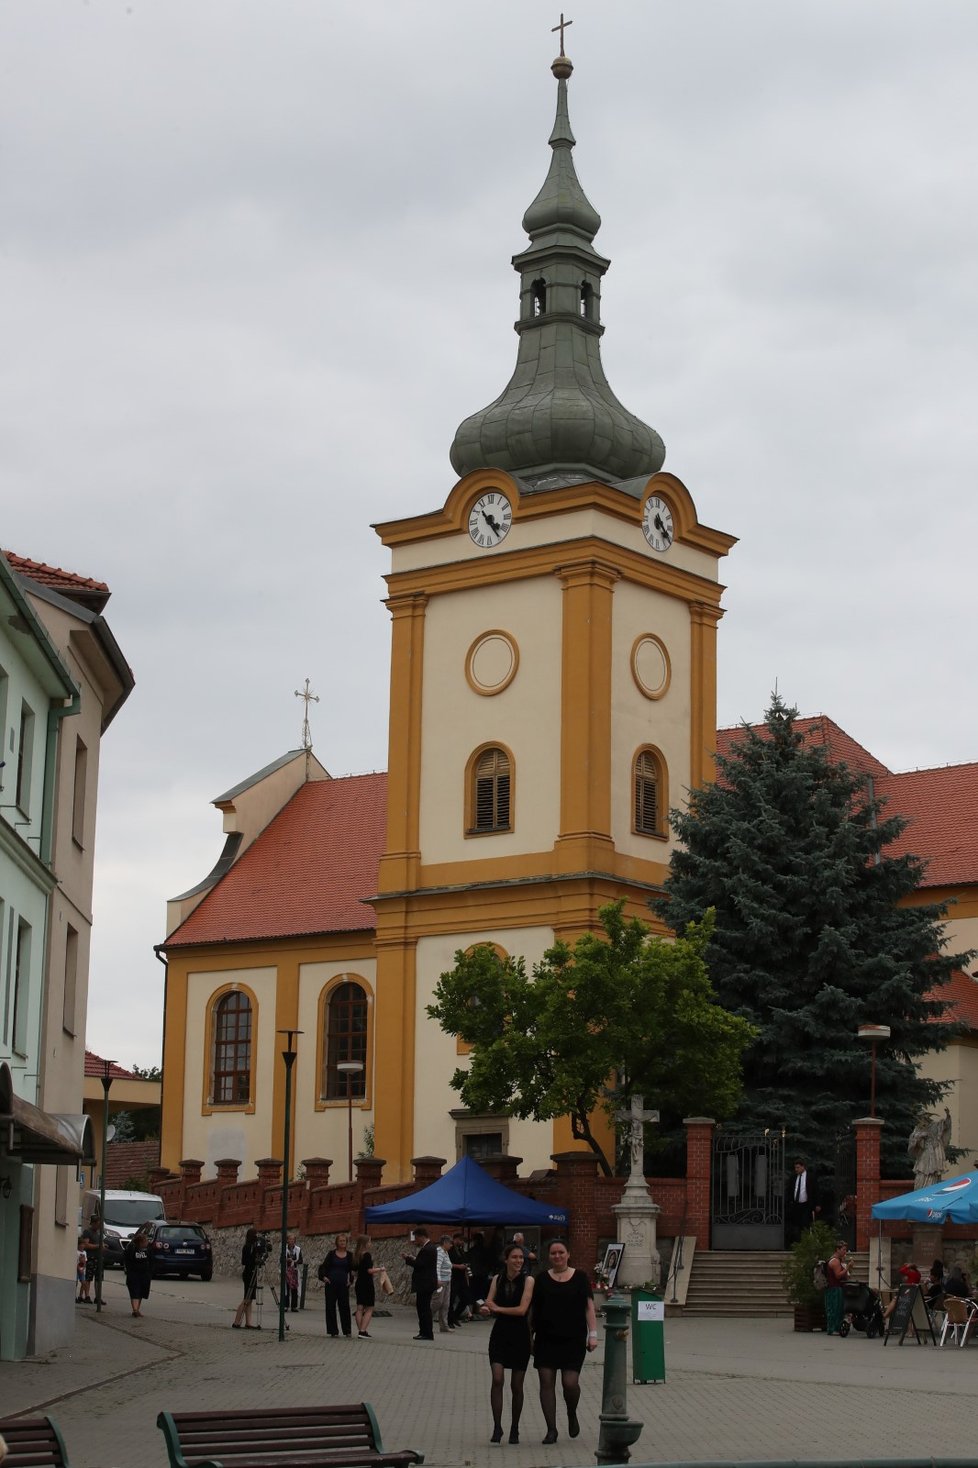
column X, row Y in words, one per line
column 424, row 1280
column 801, row 1202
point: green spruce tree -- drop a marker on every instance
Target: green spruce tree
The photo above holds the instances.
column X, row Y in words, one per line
column 811, row 940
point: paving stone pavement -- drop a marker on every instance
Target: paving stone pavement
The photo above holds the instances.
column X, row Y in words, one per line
column 735, row 1389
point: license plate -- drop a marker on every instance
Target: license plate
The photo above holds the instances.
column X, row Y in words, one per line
column 183, row 1251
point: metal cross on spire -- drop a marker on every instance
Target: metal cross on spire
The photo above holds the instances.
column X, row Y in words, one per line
column 307, row 699
column 561, row 27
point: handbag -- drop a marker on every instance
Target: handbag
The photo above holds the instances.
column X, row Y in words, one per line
column 385, row 1283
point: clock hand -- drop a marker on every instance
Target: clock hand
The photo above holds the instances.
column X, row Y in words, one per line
column 661, row 528
column 493, row 524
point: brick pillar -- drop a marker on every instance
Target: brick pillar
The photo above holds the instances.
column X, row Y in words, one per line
column 227, row 1171
column 867, row 1129
column 316, row 1170
column 503, row 1168
column 158, row 1175
column 426, row 1170
column 576, row 1178
column 269, row 1172
column 370, row 1171
column 699, row 1170
column 190, row 1170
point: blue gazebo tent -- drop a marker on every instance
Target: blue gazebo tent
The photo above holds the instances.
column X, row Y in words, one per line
column 467, row 1194
column 952, row 1201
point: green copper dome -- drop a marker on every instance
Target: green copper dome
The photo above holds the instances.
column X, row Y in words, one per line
column 558, row 418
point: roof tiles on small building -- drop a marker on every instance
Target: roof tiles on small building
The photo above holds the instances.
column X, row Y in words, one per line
column 95, row 1066
column 308, row 872
column 941, row 810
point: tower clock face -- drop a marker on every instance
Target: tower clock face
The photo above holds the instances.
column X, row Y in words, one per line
column 657, row 523
column 490, row 518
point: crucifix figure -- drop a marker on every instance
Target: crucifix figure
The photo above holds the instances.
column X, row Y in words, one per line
column 307, row 699
column 562, row 27
column 636, row 1117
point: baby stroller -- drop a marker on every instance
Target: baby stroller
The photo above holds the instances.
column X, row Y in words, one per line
column 863, row 1310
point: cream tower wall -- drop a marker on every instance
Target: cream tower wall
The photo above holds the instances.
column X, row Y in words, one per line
column 523, row 717
column 438, row 1057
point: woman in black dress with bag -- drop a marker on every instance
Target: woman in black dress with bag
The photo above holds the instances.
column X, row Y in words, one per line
column 565, row 1327
column 508, row 1302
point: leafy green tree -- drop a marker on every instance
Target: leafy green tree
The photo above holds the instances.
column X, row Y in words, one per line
column 618, row 1013
column 811, row 940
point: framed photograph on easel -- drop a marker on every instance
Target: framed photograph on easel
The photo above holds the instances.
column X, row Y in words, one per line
column 610, row 1264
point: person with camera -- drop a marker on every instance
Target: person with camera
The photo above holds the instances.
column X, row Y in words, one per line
column 335, row 1272
column 254, row 1252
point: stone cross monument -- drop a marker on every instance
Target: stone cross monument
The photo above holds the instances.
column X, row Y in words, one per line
column 636, row 1213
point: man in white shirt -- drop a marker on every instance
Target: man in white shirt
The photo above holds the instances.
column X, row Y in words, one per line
column 801, row 1203
column 444, row 1296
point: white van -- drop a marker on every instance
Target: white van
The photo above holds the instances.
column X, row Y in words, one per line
column 124, row 1212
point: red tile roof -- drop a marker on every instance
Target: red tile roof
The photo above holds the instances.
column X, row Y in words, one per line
column 95, row 1066
column 306, row 873
column 85, row 589
column 941, row 807
column 960, row 995
column 820, row 729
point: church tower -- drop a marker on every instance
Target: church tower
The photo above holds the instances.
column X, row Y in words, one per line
column 553, row 679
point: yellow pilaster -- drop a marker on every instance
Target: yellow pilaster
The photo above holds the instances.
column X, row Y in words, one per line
column 174, row 1066
column 401, row 860
column 703, row 692
column 395, row 1055
column 585, row 714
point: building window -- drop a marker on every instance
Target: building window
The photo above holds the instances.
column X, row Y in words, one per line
column 69, row 1003
column 232, row 1050
column 480, row 1134
column 538, row 291
column 490, row 792
column 345, row 1040
column 587, row 301
column 650, row 794
column 25, row 758
column 79, row 788
column 462, row 1047
column 22, row 986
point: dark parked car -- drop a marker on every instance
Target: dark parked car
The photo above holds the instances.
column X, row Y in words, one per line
column 180, row 1248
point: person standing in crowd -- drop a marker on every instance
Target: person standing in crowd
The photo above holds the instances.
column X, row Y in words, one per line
column 529, row 1258
column 460, row 1281
column 508, row 1302
column 837, row 1272
column 251, row 1257
column 801, row 1202
column 293, row 1263
column 81, row 1260
column 335, row 1272
column 89, row 1241
column 424, row 1281
column 139, row 1269
column 443, row 1295
column 565, row 1327
column 363, row 1289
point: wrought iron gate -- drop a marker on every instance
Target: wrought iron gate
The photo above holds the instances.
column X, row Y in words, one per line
column 748, row 1190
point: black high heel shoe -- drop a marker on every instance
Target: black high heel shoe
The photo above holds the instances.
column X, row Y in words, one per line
column 497, row 1435
column 551, row 1436
column 514, row 1434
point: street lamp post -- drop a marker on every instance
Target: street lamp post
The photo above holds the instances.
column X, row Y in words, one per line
column 350, row 1068
column 106, row 1079
column 873, row 1033
column 289, row 1056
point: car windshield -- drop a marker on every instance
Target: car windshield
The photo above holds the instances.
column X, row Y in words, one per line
column 131, row 1212
column 173, row 1235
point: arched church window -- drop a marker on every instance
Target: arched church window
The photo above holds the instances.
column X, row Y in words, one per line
column 539, row 296
column 650, row 793
column 345, row 1040
column 232, row 1031
column 491, row 792
column 587, row 300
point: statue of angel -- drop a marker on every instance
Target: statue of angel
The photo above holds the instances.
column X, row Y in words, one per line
column 928, row 1145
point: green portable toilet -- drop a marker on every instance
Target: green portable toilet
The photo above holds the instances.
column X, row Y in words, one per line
column 648, row 1337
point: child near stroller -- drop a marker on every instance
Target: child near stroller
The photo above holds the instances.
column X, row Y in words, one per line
column 863, row 1310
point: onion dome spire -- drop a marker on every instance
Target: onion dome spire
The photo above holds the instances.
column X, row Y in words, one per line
column 558, row 419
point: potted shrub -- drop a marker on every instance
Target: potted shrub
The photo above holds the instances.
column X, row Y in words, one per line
column 816, row 1243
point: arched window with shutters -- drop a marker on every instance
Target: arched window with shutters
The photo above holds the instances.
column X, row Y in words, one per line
column 232, row 1021
column 650, row 794
column 489, row 791
column 345, row 1019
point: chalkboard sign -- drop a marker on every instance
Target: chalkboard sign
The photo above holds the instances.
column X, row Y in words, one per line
column 910, row 1313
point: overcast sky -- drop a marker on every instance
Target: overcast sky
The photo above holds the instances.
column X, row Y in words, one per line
column 255, row 271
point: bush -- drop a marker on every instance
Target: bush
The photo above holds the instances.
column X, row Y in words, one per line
column 817, row 1242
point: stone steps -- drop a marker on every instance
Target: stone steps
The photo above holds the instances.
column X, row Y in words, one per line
column 737, row 1282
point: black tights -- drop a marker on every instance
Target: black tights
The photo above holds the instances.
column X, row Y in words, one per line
column 570, row 1382
column 496, row 1394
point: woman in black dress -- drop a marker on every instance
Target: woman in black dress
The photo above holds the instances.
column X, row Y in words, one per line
column 508, row 1302
column 564, row 1329
column 139, row 1270
column 251, row 1257
column 363, row 1288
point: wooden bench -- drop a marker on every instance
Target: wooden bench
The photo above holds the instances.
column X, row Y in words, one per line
column 33, row 1442
column 336, row 1436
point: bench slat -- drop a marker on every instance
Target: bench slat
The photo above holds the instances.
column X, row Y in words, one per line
column 333, row 1436
column 33, row 1442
